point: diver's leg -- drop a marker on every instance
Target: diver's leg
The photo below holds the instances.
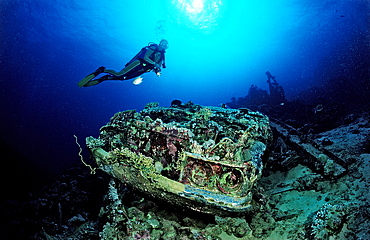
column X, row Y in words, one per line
column 125, row 70
column 89, row 77
column 88, row 80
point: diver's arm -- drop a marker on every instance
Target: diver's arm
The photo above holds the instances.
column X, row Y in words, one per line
column 146, row 57
column 156, row 63
column 157, row 58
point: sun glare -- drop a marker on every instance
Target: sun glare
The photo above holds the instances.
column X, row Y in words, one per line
column 202, row 14
column 195, row 6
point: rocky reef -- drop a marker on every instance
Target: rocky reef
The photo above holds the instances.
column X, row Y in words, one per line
column 204, row 158
column 309, row 186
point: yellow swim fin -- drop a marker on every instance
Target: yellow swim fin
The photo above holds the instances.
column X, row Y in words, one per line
column 84, row 81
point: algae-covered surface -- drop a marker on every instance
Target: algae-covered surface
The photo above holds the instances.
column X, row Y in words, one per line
column 206, row 159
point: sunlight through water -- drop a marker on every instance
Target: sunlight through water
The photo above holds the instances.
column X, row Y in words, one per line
column 200, row 14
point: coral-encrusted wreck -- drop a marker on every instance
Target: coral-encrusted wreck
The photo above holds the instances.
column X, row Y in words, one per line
column 203, row 158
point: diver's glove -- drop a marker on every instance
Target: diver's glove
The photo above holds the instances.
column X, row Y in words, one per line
column 157, row 71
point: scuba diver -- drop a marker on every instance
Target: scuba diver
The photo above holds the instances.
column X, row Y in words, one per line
column 150, row 58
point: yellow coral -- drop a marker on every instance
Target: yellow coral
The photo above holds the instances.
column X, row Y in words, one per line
column 124, row 155
column 203, row 114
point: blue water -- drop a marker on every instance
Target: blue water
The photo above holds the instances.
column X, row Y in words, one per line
column 217, row 49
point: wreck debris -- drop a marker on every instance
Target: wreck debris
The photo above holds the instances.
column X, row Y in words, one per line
column 310, row 153
column 204, row 158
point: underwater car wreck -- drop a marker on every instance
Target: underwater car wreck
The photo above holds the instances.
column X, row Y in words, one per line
column 204, row 158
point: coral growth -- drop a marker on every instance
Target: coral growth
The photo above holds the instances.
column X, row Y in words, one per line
column 189, row 155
